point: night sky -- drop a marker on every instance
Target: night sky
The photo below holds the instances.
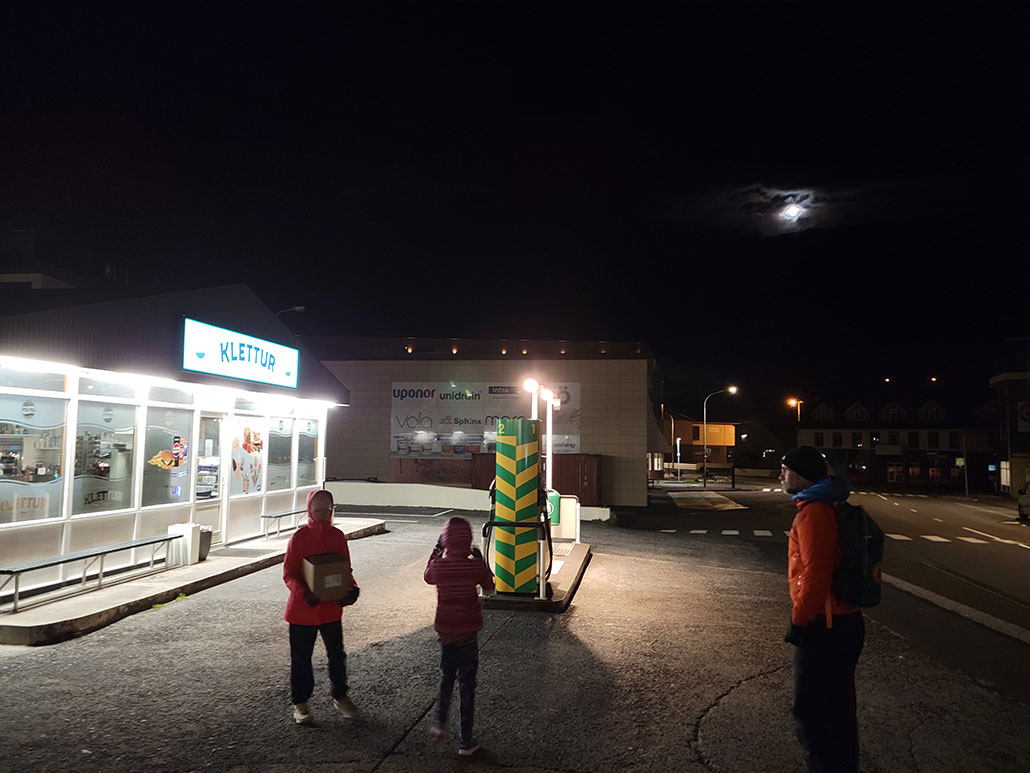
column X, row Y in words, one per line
column 552, row 171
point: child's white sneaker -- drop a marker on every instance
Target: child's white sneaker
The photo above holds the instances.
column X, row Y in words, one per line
column 437, row 734
column 346, row 706
column 301, row 714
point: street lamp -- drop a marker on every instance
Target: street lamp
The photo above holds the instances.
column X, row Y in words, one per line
column 793, row 402
column 548, row 397
column 678, row 468
column 533, row 387
column 292, row 308
column 704, row 424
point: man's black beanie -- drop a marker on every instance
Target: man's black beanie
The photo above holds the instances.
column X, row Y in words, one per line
column 806, row 462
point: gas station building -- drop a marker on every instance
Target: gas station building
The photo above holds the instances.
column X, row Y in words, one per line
column 120, row 419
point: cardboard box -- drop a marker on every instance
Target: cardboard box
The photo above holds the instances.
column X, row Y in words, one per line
column 328, row 575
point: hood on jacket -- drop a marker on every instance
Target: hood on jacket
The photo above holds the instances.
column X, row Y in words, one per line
column 457, row 536
column 312, row 523
column 829, row 489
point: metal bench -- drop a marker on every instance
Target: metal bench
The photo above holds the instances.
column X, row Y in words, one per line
column 89, row 556
column 277, row 517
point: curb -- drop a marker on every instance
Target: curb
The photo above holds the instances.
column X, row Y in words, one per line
column 995, row 624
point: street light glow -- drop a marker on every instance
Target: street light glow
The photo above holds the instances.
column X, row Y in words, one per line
column 546, row 395
column 732, row 390
column 531, row 385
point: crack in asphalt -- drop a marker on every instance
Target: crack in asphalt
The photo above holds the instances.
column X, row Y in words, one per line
column 696, row 743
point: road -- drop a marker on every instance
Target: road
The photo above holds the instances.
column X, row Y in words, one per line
column 971, row 555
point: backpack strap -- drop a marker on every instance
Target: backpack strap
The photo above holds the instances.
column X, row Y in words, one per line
column 829, row 611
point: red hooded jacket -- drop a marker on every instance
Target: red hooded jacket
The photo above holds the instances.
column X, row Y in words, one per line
column 310, row 540
column 456, row 575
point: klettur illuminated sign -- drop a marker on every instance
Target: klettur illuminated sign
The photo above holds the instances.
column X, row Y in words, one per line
column 210, row 349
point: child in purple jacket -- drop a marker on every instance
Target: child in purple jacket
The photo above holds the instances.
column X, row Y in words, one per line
column 456, row 569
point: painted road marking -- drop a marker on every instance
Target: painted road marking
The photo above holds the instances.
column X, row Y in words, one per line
column 913, row 510
column 730, row 532
column 936, row 519
column 704, row 500
column 974, row 540
column 763, row 533
column 900, row 537
column 667, row 531
column 766, row 490
column 896, row 504
column 699, row 531
column 881, row 496
column 997, row 539
column 934, row 538
column 786, row 532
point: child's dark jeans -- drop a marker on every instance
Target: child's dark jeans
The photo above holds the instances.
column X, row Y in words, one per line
column 302, row 645
column 458, row 659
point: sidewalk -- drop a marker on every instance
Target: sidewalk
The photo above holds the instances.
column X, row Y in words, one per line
column 67, row 616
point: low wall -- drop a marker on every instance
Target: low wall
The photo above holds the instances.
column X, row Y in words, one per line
column 358, row 492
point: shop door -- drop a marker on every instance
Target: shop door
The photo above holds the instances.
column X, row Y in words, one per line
column 212, row 491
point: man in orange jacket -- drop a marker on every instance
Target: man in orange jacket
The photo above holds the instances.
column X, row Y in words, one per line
column 826, row 631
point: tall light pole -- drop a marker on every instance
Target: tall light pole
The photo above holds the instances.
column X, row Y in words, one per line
column 672, row 434
column 533, row 387
column 794, row 402
column 548, row 396
column 292, row 308
column 704, row 425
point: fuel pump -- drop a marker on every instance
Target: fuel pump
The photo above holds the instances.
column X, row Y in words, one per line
column 522, row 550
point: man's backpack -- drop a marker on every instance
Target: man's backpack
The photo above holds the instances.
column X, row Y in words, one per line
column 857, row 579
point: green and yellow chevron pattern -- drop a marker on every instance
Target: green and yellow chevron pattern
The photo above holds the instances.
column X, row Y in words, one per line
column 518, row 478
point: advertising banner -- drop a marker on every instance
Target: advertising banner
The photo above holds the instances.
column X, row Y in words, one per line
column 457, row 419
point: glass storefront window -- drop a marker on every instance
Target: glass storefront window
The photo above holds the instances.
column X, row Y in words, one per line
column 31, row 467
column 92, row 387
column 160, row 394
column 247, row 456
column 23, row 379
column 103, row 457
column 280, row 453
column 167, row 450
column 209, row 459
column 307, row 449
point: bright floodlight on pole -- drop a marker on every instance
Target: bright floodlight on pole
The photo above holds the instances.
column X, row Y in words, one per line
column 704, row 423
column 533, row 387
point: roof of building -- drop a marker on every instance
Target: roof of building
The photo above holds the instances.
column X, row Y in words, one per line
column 145, row 335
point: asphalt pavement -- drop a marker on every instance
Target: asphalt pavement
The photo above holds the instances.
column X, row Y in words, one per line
column 670, row 657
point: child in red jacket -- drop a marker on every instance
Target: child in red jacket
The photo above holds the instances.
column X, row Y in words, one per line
column 456, row 569
column 308, row 617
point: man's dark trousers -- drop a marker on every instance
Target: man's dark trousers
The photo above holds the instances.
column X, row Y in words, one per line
column 825, row 707
column 302, row 646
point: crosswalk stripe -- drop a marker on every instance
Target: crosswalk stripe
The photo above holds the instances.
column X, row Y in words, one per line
column 974, row 540
column 900, row 537
column 766, row 490
column 934, row 538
